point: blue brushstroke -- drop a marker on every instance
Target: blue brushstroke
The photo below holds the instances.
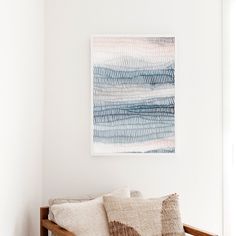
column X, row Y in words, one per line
column 160, row 150
column 103, row 75
column 136, row 121
column 133, row 121
column 166, row 101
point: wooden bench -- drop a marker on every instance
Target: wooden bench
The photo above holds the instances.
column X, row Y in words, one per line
column 47, row 225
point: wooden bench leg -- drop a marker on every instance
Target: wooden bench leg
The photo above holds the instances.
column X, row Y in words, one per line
column 43, row 215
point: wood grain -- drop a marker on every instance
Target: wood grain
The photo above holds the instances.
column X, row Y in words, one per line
column 56, row 229
column 43, row 215
column 196, row 232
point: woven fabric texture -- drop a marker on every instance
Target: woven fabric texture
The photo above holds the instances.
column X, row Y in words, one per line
column 82, row 198
column 133, row 217
column 171, row 220
column 86, row 218
column 140, row 217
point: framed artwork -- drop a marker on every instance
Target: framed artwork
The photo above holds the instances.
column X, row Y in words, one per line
column 133, row 94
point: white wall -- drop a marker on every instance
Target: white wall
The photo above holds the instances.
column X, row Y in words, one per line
column 229, row 112
column 196, row 170
column 21, row 100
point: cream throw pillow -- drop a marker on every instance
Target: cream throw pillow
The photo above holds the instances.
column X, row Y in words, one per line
column 82, row 198
column 171, row 219
column 85, row 218
column 140, row 217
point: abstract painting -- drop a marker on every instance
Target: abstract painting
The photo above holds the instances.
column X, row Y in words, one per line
column 133, row 95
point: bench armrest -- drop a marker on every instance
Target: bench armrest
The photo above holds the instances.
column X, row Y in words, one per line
column 56, row 229
column 196, row 232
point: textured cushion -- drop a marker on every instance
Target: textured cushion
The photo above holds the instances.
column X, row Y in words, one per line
column 171, row 220
column 140, row 217
column 86, row 218
column 81, row 198
column 133, row 217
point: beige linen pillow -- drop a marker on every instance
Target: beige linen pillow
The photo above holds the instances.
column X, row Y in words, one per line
column 83, row 198
column 85, row 218
column 171, row 219
column 144, row 217
column 133, row 217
